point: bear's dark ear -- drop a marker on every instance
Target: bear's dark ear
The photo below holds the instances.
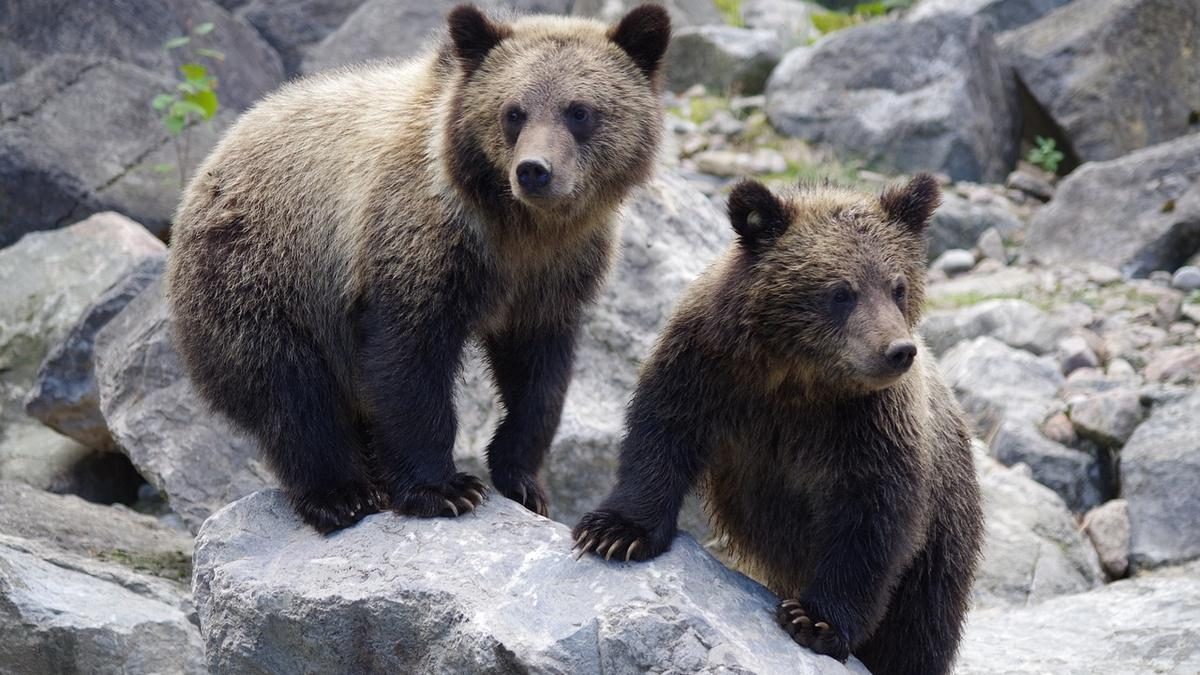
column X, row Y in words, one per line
column 913, row 204
column 757, row 215
column 473, row 35
column 644, row 33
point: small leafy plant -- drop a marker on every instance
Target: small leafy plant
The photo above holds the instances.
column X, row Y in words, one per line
column 1045, row 154
column 828, row 22
column 731, row 11
column 195, row 96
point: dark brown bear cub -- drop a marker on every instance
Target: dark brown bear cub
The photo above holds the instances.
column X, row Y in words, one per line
column 354, row 230
column 791, row 386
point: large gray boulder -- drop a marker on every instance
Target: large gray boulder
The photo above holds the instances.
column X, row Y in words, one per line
column 1113, row 75
column 86, row 588
column 1160, row 467
column 959, row 222
column 48, row 279
column 1032, row 549
column 134, row 33
column 80, row 137
column 790, row 20
column 65, row 397
column 293, row 27
column 928, row 95
column 189, row 454
column 1008, row 393
column 1138, row 213
column 389, row 29
column 724, row 59
column 496, row 592
column 683, row 12
column 1149, row 624
column 1001, row 15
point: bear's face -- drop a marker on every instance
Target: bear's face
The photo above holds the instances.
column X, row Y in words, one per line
column 834, row 279
column 562, row 111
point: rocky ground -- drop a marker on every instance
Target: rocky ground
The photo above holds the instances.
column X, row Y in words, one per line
column 1064, row 308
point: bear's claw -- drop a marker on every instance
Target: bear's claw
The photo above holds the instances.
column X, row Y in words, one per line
column 809, row 631
column 453, row 498
column 615, row 534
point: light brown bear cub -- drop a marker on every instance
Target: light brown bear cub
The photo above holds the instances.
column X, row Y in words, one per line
column 354, row 230
column 834, row 458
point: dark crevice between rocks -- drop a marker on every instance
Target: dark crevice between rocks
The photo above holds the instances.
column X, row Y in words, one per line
column 72, row 81
column 1035, row 121
column 1171, row 251
column 102, row 478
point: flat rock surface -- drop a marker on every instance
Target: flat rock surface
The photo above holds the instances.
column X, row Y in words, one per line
column 494, row 592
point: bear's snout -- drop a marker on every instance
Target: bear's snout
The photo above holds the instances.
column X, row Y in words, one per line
column 900, row 354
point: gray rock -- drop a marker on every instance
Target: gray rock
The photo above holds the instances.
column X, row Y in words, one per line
column 48, row 279
column 954, row 261
column 112, row 535
column 1092, row 51
column 991, row 246
column 79, row 137
column 134, row 33
column 64, row 396
column 1074, row 353
column 683, row 12
column 1107, row 526
column 727, row 163
column 1016, row 323
column 930, row 95
column 496, row 592
column 1001, row 15
column 1160, row 468
column 1149, row 624
column 1138, row 213
column 1174, row 365
column 1033, row 549
column 64, row 615
column 1186, row 278
column 1007, row 393
column 960, row 222
column 193, row 457
column 722, row 58
column 1030, row 183
column 1108, row 418
column 291, row 27
column 790, row 20
column 387, row 29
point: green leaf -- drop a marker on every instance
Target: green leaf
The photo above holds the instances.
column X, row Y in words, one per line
column 187, row 87
column 174, row 123
column 186, row 107
column 162, row 101
column 207, row 101
column 193, row 71
column 871, row 9
column 211, row 53
column 176, row 42
column 203, row 29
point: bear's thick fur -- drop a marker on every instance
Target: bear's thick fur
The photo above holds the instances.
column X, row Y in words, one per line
column 833, row 457
column 353, row 231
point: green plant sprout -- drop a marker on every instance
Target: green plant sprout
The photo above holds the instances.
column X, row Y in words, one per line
column 731, row 11
column 1045, row 154
column 828, row 22
column 195, row 96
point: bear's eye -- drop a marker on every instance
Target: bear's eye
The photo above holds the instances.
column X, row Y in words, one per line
column 842, row 298
column 581, row 121
column 900, row 293
column 513, row 120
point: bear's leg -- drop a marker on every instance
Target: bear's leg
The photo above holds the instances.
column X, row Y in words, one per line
column 920, row 632
column 310, row 441
column 532, row 372
column 407, row 374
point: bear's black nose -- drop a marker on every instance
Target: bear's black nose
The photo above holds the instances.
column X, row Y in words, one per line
column 533, row 174
column 900, row 354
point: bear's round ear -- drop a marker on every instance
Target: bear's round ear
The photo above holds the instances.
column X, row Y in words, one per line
column 757, row 215
column 473, row 35
column 644, row 33
column 913, row 204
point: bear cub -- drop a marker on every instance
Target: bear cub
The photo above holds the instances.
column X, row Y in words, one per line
column 354, row 230
column 791, row 386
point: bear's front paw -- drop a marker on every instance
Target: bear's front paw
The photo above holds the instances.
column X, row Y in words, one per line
column 611, row 535
column 330, row 510
column 524, row 489
column 809, row 630
column 453, row 498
